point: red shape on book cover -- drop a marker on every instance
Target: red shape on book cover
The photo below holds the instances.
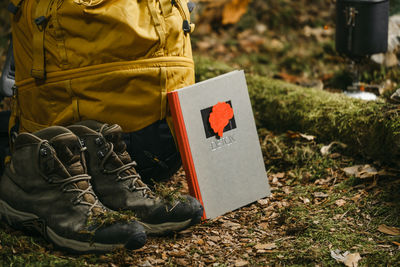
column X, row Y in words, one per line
column 184, row 148
column 219, row 117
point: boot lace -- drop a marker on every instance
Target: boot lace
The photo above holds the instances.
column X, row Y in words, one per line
column 65, row 182
column 129, row 172
column 79, row 199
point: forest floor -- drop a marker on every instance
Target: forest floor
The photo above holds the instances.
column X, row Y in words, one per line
column 325, row 209
column 319, row 207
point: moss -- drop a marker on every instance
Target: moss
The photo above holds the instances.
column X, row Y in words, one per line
column 394, row 7
column 207, row 68
column 97, row 221
column 17, row 249
column 169, row 194
column 369, row 128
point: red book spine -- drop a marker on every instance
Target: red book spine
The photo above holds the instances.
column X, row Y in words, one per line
column 184, row 147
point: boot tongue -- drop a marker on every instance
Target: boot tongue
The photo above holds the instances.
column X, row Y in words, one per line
column 67, row 148
column 120, row 157
column 68, row 151
column 113, row 134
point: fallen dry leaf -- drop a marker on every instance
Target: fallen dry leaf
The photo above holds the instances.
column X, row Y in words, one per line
column 263, row 202
column 233, row 11
column 326, row 150
column 265, row 246
column 164, row 256
column 367, row 172
column 388, row 173
column 232, row 225
column 159, row 261
column 324, row 181
column 320, row 195
column 351, row 260
column 291, row 134
column 335, row 155
column 241, row 263
column 291, row 79
column 357, row 197
column 347, row 258
column 307, row 137
column 287, row 189
column 396, row 243
column 353, row 170
column 200, row 242
column 182, row 262
column 361, row 171
column 214, row 238
column 145, row 263
column 340, row 202
column 305, row 200
column 263, row 251
column 177, row 253
column 389, row 230
column 261, row 225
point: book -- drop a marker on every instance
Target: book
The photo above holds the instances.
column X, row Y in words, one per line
column 219, row 145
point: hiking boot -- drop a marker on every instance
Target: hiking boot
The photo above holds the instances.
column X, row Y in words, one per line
column 119, row 187
column 45, row 188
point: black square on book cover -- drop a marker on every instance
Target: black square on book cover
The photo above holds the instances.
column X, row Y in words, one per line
column 205, row 115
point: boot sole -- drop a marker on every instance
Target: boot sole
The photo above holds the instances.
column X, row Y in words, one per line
column 171, row 227
column 30, row 222
column 165, row 228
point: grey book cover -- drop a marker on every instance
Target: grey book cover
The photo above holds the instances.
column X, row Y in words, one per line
column 218, row 141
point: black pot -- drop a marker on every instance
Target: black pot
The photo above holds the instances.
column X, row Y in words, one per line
column 361, row 27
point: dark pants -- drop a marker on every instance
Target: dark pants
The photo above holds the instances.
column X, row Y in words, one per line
column 4, row 145
column 153, row 148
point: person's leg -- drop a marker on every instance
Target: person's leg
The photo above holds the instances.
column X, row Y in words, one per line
column 154, row 150
column 4, row 141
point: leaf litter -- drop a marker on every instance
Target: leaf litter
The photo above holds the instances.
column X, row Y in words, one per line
column 296, row 218
column 348, row 259
column 314, row 208
column 395, row 231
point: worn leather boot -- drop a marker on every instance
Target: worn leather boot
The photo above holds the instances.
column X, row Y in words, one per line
column 46, row 188
column 119, row 187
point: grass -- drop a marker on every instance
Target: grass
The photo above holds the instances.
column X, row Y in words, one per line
column 313, row 210
column 321, row 225
column 302, row 216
